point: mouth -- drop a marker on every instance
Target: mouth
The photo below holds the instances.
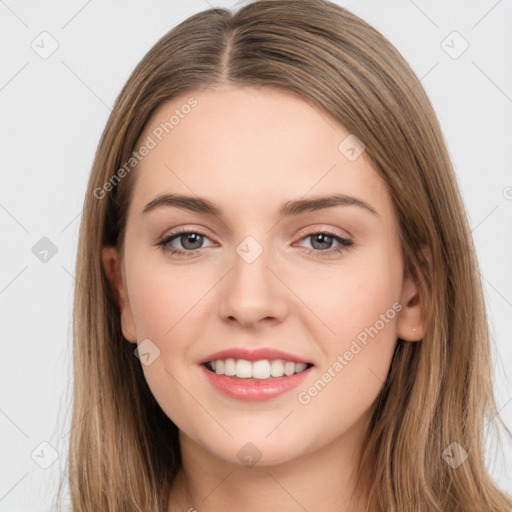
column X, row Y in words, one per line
column 264, row 369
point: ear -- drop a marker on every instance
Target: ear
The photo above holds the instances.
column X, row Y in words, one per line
column 412, row 322
column 113, row 269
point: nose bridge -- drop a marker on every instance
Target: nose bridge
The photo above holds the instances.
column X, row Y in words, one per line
column 251, row 291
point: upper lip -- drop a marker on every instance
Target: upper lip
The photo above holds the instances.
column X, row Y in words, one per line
column 253, row 355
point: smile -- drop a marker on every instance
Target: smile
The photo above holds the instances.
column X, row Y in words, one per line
column 263, row 369
column 254, row 381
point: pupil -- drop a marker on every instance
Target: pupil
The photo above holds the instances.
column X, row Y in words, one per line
column 185, row 239
column 324, row 239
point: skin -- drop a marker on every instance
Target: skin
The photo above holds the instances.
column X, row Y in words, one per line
column 250, row 150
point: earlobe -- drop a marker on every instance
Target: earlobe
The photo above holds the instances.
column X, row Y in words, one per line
column 412, row 323
column 113, row 269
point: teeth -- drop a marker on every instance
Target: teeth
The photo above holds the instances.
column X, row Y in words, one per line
column 289, row 368
column 277, row 368
column 262, row 369
column 243, row 369
column 230, row 367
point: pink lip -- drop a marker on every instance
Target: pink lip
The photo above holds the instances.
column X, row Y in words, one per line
column 245, row 389
column 253, row 355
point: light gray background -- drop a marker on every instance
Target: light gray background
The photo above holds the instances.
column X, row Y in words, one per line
column 53, row 111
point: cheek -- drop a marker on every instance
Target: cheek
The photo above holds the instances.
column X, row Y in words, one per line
column 361, row 305
column 345, row 387
column 166, row 299
column 351, row 297
column 166, row 305
column 169, row 304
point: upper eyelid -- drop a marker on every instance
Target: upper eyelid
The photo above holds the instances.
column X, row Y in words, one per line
column 174, row 234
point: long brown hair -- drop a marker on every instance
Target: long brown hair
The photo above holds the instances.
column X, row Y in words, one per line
column 123, row 450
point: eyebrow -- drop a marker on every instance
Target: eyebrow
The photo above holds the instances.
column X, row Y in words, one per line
column 288, row 209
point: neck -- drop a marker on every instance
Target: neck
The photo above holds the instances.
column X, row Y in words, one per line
column 317, row 481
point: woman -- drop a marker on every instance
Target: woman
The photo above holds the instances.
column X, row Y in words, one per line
column 278, row 300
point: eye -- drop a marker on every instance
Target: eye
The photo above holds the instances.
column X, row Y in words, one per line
column 190, row 241
column 322, row 241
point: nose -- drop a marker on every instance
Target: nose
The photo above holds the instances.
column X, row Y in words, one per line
column 252, row 293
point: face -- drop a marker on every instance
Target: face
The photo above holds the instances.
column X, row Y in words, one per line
column 251, row 274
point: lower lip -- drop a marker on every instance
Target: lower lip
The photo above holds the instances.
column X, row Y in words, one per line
column 245, row 389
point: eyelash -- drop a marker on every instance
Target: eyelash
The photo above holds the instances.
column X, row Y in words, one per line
column 344, row 244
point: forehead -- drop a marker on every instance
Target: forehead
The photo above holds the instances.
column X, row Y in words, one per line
column 252, row 148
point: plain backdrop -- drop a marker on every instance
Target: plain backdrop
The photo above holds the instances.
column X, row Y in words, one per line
column 53, row 110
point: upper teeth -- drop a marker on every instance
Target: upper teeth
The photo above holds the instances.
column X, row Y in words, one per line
column 258, row 369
